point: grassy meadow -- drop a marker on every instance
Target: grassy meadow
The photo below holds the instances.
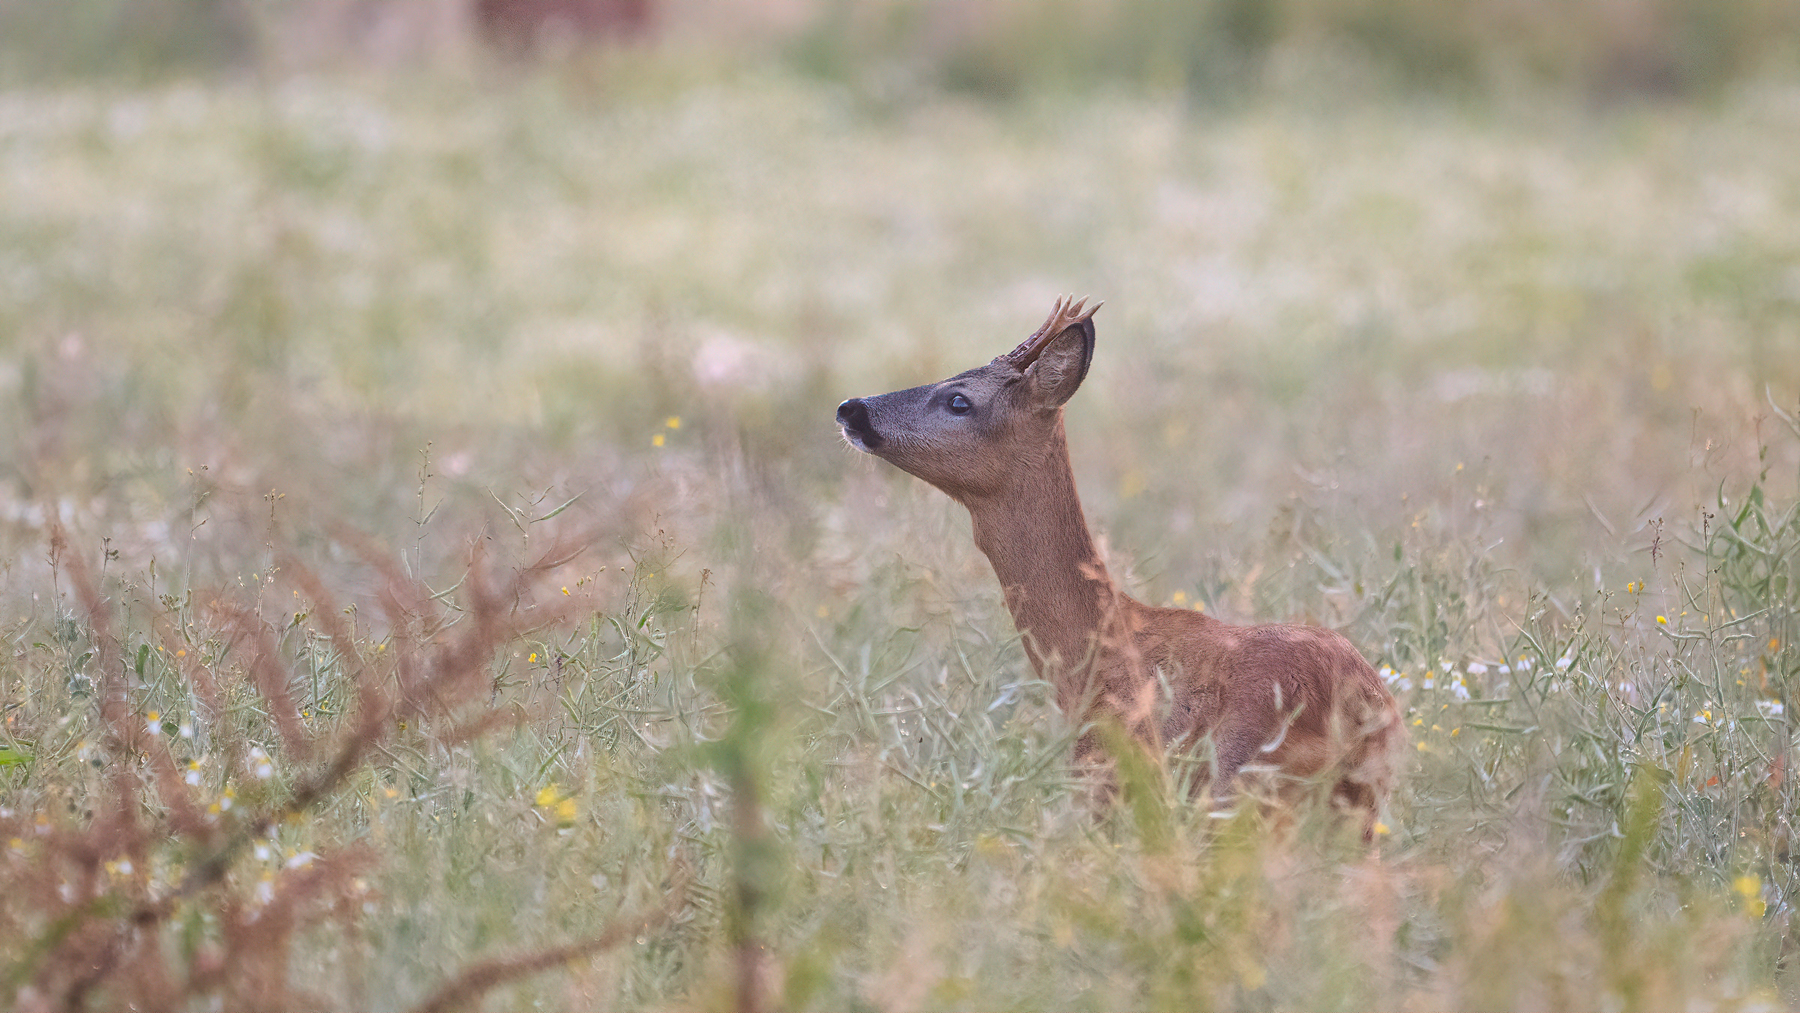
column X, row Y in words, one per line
column 430, row 574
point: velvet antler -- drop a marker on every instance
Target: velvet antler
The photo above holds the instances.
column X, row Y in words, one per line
column 1067, row 312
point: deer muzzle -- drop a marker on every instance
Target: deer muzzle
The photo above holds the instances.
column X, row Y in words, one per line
column 853, row 416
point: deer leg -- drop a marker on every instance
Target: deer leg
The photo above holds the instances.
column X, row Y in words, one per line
column 1357, row 801
column 1368, row 775
column 1095, row 768
column 1231, row 750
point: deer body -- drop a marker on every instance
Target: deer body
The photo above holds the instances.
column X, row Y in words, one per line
column 1297, row 699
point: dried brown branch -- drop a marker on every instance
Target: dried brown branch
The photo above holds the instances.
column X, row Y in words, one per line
column 370, row 698
column 476, row 981
column 270, row 679
column 103, row 937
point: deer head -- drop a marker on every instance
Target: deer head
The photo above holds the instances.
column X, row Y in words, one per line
column 972, row 434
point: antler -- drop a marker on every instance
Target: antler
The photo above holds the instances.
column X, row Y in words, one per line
column 1067, row 313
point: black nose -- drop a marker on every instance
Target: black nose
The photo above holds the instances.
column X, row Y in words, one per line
column 853, row 415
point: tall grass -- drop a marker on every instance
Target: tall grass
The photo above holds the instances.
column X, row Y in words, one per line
column 324, row 380
column 869, row 818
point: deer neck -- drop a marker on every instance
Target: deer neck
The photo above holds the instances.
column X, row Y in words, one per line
column 1056, row 586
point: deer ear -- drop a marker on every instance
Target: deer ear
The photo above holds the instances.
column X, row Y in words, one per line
column 1061, row 367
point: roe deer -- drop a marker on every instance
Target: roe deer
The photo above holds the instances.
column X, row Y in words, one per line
column 1299, row 697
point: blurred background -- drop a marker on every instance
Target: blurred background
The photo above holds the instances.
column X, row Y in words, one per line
column 1472, row 329
column 1525, row 266
column 1603, row 49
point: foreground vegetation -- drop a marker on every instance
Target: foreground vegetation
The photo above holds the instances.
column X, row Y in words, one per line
column 431, row 576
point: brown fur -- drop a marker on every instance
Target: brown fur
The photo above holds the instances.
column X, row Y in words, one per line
column 1297, row 699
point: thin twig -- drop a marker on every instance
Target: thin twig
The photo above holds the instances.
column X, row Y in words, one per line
column 474, row 982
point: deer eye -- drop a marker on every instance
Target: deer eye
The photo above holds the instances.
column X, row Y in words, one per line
column 960, row 405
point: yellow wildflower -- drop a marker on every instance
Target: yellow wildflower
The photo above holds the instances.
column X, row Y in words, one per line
column 557, row 802
column 1750, row 889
